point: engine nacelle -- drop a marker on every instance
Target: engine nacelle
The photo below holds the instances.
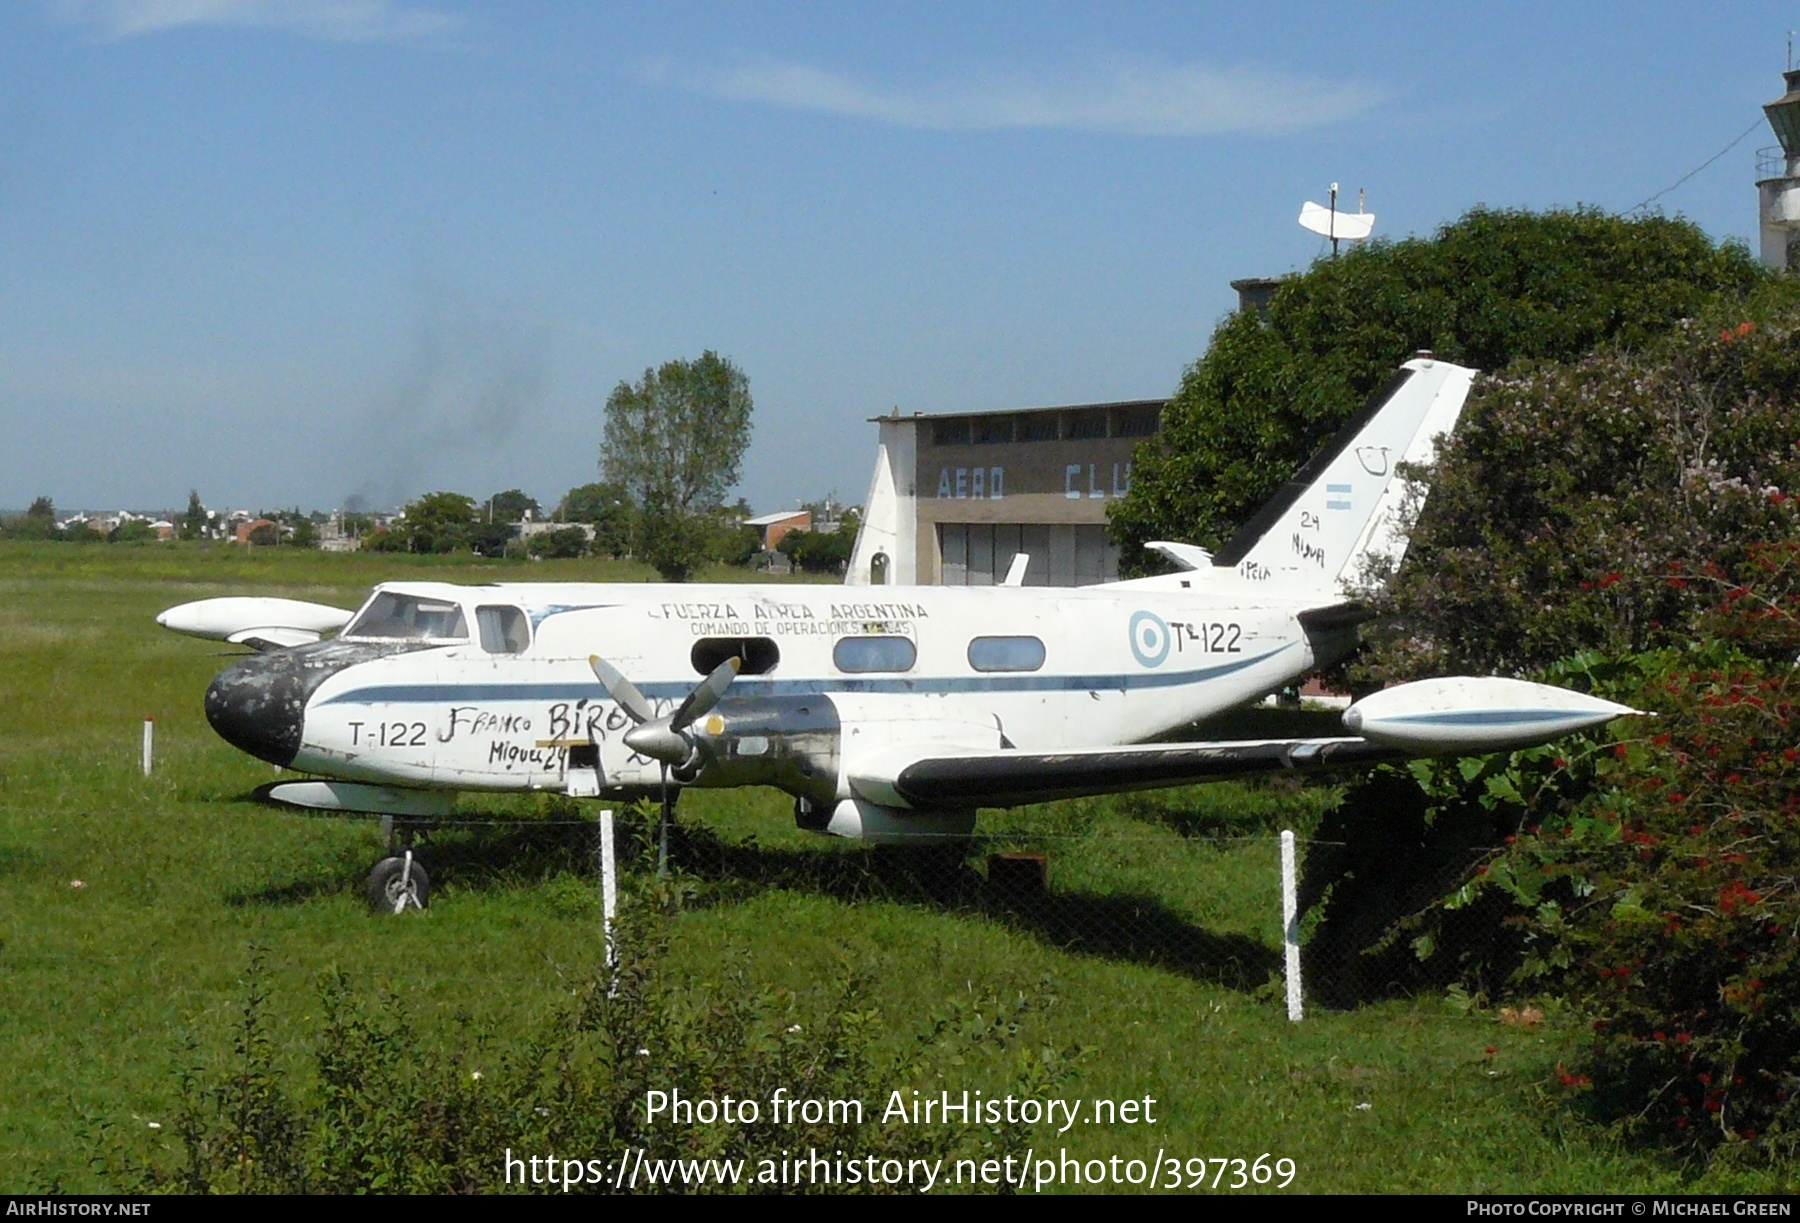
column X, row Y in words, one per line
column 866, row 821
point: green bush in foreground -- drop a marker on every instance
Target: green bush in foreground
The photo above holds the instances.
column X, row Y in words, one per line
column 384, row 1111
column 1652, row 879
column 1571, row 490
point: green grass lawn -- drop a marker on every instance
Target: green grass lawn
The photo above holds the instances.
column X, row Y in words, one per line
column 1156, row 939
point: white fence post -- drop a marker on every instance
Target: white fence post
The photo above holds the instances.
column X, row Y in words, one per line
column 609, row 889
column 149, row 743
column 1290, row 925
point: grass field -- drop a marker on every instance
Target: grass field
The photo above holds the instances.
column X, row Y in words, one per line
column 1157, row 938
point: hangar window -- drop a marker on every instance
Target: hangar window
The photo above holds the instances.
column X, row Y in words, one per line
column 1006, row 653
column 409, row 617
column 1087, row 423
column 1136, row 422
column 760, row 655
column 504, row 630
column 859, row 655
column 992, row 430
column 950, row 432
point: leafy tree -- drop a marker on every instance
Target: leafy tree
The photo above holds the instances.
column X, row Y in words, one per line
column 303, row 534
column 821, row 551
column 605, row 507
column 194, row 522
column 738, row 545
column 37, row 522
column 671, row 541
column 1490, row 289
column 132, row 531
column 265, row 535
column 509, row 507
column 562, row 543
column 675, row 441
column 439, row 522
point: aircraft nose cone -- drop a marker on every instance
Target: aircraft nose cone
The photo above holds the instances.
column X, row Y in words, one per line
column 259, row 705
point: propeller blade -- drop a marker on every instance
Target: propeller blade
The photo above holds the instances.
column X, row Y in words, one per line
column 706, row 695
column 622, row 690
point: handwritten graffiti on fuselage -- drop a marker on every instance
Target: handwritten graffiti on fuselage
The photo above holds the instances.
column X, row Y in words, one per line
column 1309, row 552
column 521, row 755
column 585, row 719
column 473, row 720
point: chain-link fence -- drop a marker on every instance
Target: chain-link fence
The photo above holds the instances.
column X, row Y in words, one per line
column 1370, row 922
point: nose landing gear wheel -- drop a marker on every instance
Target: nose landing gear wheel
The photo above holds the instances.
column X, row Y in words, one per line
column 397, row 884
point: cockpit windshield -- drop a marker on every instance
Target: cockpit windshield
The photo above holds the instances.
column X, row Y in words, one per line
column 409, row 617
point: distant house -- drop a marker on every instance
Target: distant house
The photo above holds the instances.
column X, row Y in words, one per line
column 529, row 527
column 246, row 529
column 773, row 526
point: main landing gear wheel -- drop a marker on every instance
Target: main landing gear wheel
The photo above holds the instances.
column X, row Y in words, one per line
column 397, row 884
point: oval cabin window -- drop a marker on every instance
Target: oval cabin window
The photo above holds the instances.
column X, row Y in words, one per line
column 1006, row 653
column 860, row 655
column 760, row 655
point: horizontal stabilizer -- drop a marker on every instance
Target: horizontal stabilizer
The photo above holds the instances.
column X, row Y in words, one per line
column 1185, row 556
column 1336, row 616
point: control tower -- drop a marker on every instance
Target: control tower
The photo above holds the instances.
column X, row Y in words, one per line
column 1778, row 181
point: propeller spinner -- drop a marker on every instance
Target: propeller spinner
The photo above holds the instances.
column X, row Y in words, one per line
column 664, row 739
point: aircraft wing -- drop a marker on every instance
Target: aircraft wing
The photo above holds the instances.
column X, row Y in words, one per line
column 1455, row 715
column 1002, row 778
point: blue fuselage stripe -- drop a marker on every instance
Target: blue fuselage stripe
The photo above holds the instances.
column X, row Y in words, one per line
column 751, row 685
column 1490, row 717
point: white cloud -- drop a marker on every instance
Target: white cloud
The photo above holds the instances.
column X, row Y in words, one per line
column 338, row 20
column 1130, row 97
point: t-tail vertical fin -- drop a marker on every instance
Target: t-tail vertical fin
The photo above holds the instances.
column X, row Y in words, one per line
column 1344, row 507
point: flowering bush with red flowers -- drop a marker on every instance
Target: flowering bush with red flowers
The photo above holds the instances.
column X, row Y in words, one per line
column 1580, row 505
column 1654, row 875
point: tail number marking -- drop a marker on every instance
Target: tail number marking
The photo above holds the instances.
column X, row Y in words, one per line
column 1214, row 638
column 387, row 734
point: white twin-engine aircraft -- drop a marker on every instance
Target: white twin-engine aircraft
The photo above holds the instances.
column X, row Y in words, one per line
column 886, row 712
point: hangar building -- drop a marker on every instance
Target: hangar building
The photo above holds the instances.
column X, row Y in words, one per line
column 956, row 496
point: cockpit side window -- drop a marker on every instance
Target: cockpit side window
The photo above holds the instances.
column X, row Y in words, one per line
column 410, row 618
column 503, row 630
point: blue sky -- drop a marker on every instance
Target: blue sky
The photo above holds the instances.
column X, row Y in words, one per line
column 293, row 251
